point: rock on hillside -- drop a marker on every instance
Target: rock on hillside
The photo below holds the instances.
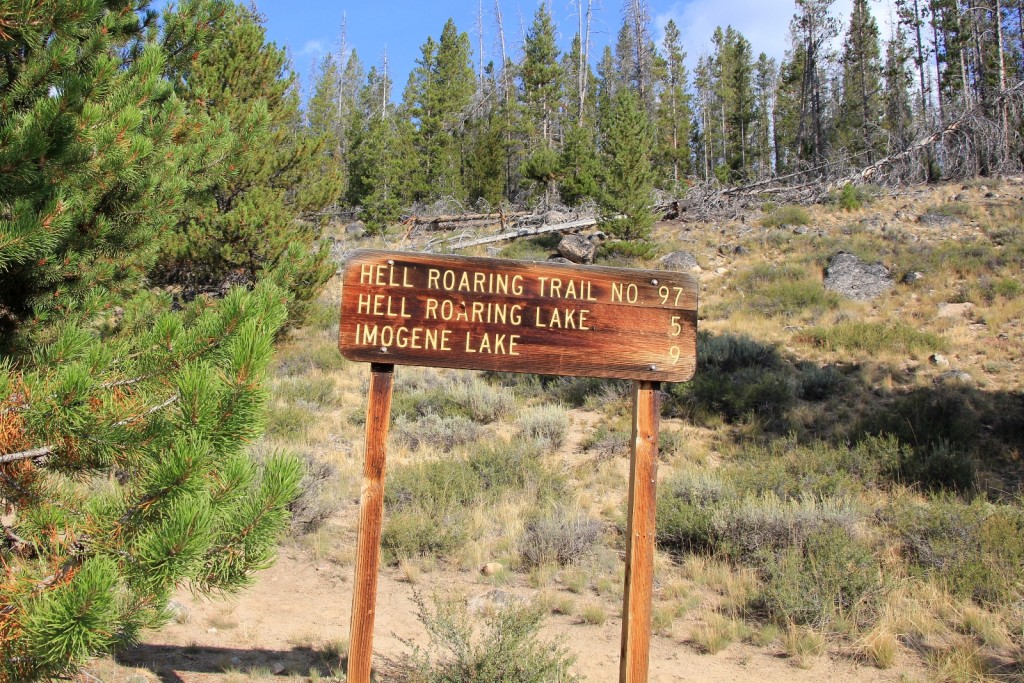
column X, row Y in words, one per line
column 851, row 277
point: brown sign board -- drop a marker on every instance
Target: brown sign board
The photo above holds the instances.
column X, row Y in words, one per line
column 516, row 316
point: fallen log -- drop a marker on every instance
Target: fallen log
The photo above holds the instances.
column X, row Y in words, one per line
column 456, row 243
column 467, row 217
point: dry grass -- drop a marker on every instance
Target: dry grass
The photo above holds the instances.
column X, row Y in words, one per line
column 318, row 406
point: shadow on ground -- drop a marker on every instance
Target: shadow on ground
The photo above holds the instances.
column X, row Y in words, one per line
column 168, row 661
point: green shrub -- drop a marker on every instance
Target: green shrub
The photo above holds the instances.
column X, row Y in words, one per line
column 630, row 250
column 299, row 360
column 578, row 391
column 1003, row 288
column 424, row 499
column 790, row 214
column 500, row 466
column 548, row 423
column 291, row 422
column 321, row 317
column 685, row 508
column 975, row 549
column 941, row 427
column 531, row 249
column 414, row 531
column 852, row 197
column 831, row 575
column 784, row 290
column 560, row 537
column 746, row 528
column 789, row 470
column 873, row 338
column 445, row 432
column 318, row 390
column 504, row 648
column 817, row 383
column 738, row 377
column 468, row 396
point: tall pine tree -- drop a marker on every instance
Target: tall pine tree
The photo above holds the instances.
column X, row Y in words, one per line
column 627, row 175
column 860, row 105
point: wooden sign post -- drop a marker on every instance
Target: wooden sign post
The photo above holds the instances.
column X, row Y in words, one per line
column 490, row 314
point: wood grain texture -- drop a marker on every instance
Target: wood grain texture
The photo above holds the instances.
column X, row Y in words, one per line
column 518, row 316
column 643, row 478
column 371, row 513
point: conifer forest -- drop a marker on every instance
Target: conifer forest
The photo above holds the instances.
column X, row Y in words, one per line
column 165, row 188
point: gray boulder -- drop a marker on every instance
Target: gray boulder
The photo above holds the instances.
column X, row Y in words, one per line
column 680, row 261
column 357, row 229
column 849, row 276
column 577, row 249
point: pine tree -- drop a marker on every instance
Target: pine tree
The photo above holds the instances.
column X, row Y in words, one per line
column 627, row 176
column 766, row 79
column 812, row 30
column 674, row 113
column 87, row 188
column 381, row 155
column 541, row 77
column 123, row 425
column 860, row 105
column 897, row 115
column 488, row 144
column 323, row 120
column 242, row 222
column 437, row 97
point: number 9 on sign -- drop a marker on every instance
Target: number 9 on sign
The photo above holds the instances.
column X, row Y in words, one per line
column 673, row 353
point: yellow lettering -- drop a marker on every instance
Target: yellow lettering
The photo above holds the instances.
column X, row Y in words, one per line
column 380, row 275
column 616, row 292
column 433, row 275
column 517, row 285
column 499, row 283
column 430, row 339
column 480, row 282
column 366, row 274
column 431, row 313
column 364, row 304
column 445, row 340
column 464, row 285
column 516, row 316
column 542, row 280
column 478, row 311
column 583, row 318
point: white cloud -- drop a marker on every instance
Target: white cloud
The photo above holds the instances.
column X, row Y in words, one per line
column 312, row 48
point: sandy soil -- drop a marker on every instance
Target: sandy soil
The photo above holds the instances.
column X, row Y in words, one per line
column 298, row 607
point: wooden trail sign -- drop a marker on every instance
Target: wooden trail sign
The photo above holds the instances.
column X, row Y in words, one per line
column 491, row 314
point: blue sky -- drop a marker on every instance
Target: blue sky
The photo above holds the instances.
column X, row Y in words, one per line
column 310, row 28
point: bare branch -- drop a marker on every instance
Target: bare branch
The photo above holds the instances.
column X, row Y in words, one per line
column 40, row 452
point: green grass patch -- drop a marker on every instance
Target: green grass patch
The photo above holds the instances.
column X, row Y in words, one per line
column 790, row 214
column 428, row 503
column 873, row 338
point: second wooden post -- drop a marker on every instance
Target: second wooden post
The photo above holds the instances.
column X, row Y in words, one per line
column 371, row 514
column 643, row 480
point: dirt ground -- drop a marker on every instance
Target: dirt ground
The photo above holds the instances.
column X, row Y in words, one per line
column 295, row 618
